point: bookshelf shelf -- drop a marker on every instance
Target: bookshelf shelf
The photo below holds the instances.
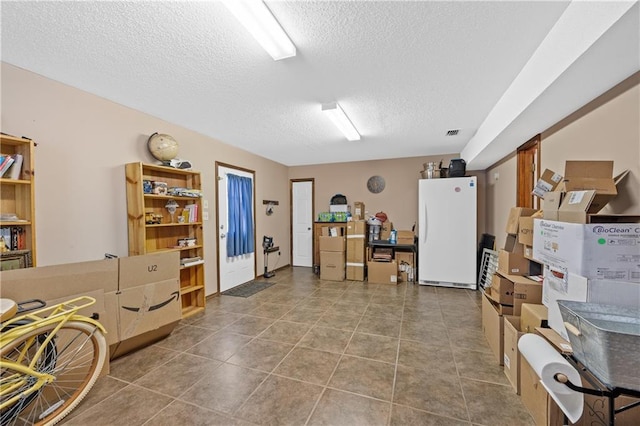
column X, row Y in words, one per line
column 147, row 238
column 160, row 225
column 7, row 181
column 17, row 197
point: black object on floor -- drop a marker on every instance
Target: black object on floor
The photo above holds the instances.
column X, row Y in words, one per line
column 247, row 289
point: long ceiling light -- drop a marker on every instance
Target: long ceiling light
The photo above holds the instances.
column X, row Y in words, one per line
column 340, row 119
column 258, row 20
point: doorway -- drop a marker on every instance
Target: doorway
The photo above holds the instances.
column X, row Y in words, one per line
column 302, row 191
column 528, row 172
column 239, row 267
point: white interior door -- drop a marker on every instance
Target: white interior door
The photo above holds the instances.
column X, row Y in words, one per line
column 302, row 222
column 236, row 270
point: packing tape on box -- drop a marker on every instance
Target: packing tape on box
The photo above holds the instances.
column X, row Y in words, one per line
column 547, row 362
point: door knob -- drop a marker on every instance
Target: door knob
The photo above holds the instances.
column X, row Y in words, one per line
column 222, row 235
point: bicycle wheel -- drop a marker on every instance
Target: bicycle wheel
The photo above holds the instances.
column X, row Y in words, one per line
column 80, row 352
column 45, row 363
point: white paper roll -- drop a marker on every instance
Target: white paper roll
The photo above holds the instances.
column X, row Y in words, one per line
column 547, row 362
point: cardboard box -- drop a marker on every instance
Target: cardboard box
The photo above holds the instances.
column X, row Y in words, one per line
column 355, row 271
column 512, row 245
column 146, row 307
column 535, row 398
column 150, row 268
column 551, row 205
column 332, row 265
column 58, row 283
column 358, row 210
column 525, row 230
column 98, row 279
column 335, row 244
column 511, row 357
column 53, row 282
column 532, row 316
column 406, row 237
column 357, row 228
column 126, row 346
column 404, row 258
column 501, row 290
column 547, row 182
column 406, row 266
column 575, row 206
column 517, row 264
column 493, row 328
column 558, row 285
column 595, row 251
column 382, row 272
column 514, row 290
column 356, row 249
column 117, row 283
column 514, row 214
column 592, row 175
column 528, row 253
column 385, row 230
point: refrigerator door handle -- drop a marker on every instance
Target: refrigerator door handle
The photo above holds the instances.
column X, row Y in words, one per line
column 425, row 222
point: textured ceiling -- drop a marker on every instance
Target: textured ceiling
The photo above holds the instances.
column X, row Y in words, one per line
column 404, row 71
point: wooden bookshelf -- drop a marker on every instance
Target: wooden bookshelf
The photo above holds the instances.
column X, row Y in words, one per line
column 17, row 204
column 147, row 238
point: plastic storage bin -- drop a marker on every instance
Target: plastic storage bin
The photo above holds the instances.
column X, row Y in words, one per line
column 606, row 339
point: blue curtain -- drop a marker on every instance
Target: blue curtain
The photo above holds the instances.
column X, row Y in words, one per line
column 240, row 206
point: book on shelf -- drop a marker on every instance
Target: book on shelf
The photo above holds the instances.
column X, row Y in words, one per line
column 192, row 213
column 6, row 163
column 16, row 168
column 13, row 237
column 191, row 261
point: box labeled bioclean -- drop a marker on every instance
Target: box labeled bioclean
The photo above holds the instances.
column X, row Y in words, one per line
column 608, row 251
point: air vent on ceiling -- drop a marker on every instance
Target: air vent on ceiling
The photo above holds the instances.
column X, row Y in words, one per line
column 452, row 132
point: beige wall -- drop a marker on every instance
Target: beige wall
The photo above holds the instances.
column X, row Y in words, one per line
column 500, row 197
column 83, row 142
column 400, row 196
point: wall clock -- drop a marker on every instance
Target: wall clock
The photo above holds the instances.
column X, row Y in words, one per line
column 375, row 184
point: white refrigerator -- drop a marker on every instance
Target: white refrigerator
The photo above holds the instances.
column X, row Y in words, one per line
column 447, row 234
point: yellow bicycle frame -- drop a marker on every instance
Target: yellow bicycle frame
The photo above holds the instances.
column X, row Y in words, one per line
column 59, row 314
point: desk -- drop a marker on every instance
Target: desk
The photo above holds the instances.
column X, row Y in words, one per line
column 413, row 248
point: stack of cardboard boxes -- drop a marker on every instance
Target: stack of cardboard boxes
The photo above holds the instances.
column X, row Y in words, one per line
column 510, row 289
column 332, row 256
column 585, row 257
column 356, row 249
column 137, row 297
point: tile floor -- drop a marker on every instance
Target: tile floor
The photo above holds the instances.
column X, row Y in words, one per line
column 313, row 352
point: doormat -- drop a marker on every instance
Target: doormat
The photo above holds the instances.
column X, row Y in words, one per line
column 247, row 289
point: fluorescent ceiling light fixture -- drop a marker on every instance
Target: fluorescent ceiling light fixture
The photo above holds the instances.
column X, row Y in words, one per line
column 258, row 20
column 340, row 119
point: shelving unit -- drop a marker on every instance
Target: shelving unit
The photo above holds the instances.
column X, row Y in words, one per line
column 17, row 200
column 145, row 237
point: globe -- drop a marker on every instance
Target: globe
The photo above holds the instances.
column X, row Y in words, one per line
column 162, row 147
